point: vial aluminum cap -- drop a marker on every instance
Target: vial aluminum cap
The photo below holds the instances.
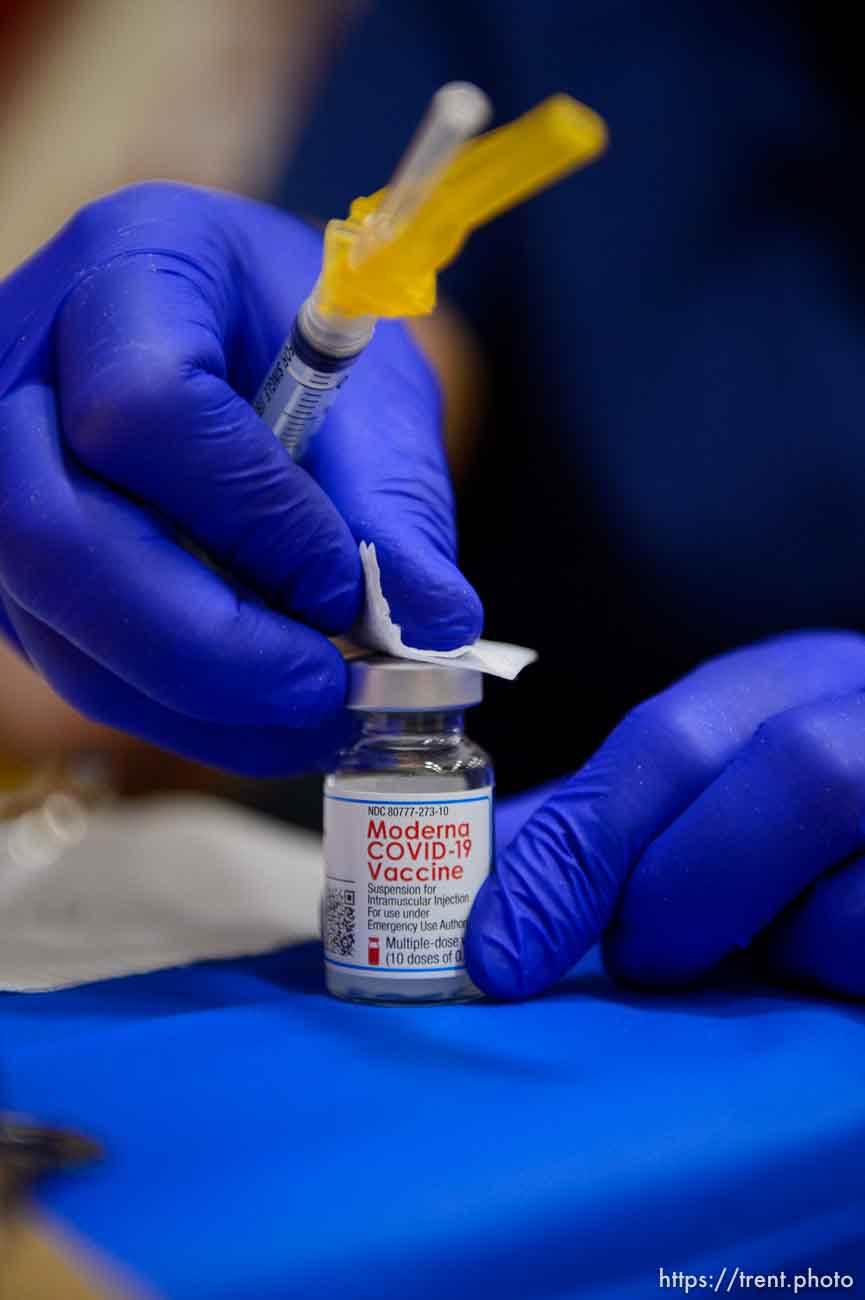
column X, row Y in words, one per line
column 381, row 684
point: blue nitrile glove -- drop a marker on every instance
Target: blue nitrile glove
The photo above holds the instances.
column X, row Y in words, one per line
column 130, row 347
column 732, row 802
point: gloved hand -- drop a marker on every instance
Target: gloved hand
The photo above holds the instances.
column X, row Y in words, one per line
column 732, row 802
column 130, row 348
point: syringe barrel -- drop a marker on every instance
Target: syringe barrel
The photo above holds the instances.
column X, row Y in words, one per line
column 303, row 381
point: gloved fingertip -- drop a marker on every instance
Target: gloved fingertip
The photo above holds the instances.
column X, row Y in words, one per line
column 495, row 954
column 433, row 604
column 466, row 621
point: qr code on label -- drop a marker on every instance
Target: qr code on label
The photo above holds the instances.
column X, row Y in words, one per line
column 339, row 921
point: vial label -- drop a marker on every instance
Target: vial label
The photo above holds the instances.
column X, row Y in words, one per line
column 400, row 879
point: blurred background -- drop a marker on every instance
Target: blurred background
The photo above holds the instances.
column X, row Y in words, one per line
column 99, row 93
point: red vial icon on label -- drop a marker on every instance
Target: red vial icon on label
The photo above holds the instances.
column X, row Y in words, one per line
column 373, row 951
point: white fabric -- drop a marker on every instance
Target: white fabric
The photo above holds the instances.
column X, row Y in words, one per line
column 154, row 883
column 378, row 631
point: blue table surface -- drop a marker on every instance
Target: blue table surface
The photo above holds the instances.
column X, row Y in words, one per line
column 264, row 1140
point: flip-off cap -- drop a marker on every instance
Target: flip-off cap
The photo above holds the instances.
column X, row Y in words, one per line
column 382, row 684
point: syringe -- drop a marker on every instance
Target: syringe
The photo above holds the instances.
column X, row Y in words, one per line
column 314, row 361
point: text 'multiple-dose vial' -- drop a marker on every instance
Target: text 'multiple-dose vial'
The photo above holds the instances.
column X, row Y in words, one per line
column 407, row 836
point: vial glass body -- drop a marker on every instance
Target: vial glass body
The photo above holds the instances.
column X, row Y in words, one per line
column 408, row 842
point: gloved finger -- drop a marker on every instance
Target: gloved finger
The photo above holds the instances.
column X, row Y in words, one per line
column 380, row 457
column 106, row 576
column 511, row 814
column 146, row 404
column 788, row 808
column 819, row 940
column 557, row 885
column 104, row 697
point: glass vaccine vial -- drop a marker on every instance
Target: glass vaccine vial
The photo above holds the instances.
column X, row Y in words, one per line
column 408, row 837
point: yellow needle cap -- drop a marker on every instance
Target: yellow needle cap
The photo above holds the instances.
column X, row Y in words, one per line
column 489, row 175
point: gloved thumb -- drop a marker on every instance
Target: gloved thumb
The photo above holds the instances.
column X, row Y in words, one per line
column 380, row 458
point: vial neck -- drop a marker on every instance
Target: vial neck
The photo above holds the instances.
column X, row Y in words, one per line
column 444, row 723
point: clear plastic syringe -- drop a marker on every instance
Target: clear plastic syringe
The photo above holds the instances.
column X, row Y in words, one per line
column 315, row 359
